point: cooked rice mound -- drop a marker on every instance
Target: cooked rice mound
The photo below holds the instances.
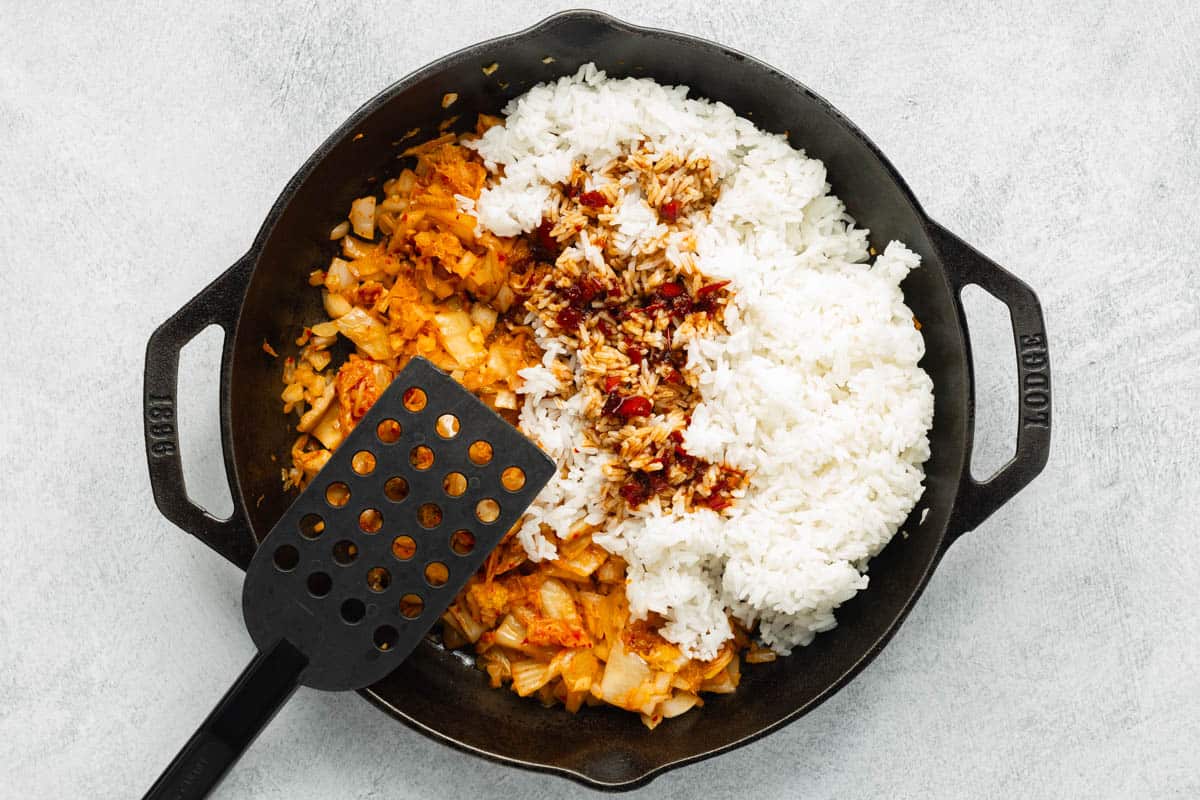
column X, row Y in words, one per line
column 812, row 388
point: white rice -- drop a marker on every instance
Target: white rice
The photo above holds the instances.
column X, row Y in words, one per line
column 815, row 391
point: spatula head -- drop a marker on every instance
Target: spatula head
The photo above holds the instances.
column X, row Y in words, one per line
column 370, row 555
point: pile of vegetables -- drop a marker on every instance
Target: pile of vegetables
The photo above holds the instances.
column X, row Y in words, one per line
column 561, row 631
column 412, row 278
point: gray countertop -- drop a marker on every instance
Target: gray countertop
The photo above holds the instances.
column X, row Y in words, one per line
column 1056, row 652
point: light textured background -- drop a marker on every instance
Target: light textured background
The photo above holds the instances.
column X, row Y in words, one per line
column 1056, row 652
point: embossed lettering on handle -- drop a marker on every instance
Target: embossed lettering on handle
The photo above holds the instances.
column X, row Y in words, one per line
column 160, row 426
column 1035, row 381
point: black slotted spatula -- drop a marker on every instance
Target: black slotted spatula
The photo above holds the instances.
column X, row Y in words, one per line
column 367, row 558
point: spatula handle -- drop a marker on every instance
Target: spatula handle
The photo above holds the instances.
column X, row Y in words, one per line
column 260, row 691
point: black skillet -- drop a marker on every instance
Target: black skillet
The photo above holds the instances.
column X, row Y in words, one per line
column 264, row 297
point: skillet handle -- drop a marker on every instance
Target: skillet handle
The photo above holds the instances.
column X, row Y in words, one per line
column 260, row 691
column 219, row 304
column 965, row 266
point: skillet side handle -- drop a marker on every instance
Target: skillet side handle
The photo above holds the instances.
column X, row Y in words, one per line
column 217, row 304
column 965, row 265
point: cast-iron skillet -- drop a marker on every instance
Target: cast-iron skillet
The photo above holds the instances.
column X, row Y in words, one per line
column 264, row 296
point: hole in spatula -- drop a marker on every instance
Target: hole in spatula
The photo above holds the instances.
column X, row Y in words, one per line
column 487, row 510
column 447, row 426
column 388, row 431
column 344, row 552
column 378, row 579
column 411, row 606
column 353, row 611
column 480, row 453
column 386, row 637
column 363, row 462
column 337, row 494
column 512, row 479
column 319, row 584
column 415, row 399
column 454, row 484
column 404, row 547
column 436, row 573
column 311, row 526
column 421, row 457
column 462, row 542
column 429, row 516
column 286, row 558
column 396, row 489
column 370, row 520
